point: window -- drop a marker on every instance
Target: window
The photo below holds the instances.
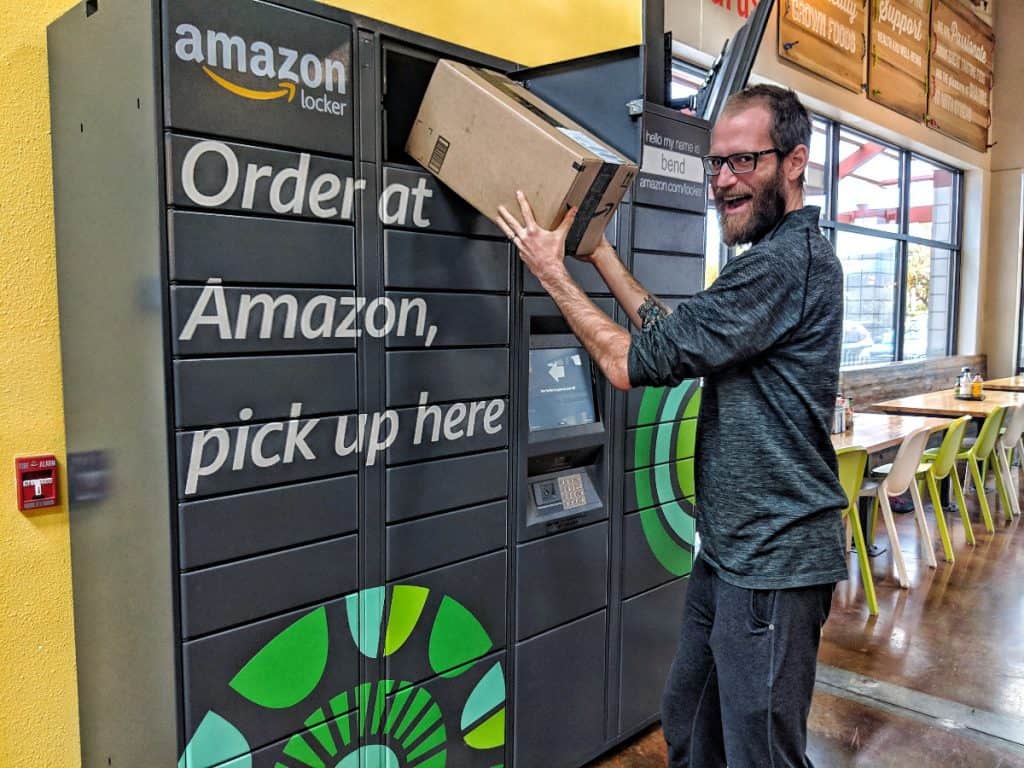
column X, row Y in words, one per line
column 817, row 177
column 894, row 220
column 870, row 296
column 686, row 79
column 868, row 177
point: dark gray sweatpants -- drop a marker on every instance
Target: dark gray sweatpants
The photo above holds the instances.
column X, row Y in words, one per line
column 739, row 690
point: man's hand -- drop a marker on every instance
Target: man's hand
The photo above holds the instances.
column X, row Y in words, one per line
column 604, row 250
column 542, row 250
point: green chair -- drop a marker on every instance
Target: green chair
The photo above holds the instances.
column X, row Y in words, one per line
column 979, row 454
column 943, row 465
column 852, row 462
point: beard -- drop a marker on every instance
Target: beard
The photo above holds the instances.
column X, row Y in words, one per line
column 767, row 207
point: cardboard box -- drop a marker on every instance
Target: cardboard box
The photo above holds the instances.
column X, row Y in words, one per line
column 486, row 136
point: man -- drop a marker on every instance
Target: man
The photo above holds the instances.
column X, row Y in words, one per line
column 766, row 337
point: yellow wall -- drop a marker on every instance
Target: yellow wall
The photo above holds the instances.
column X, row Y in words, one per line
column 527, row 31
column 38, row 702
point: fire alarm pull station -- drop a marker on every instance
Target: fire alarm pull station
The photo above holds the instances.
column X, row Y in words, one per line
column 37, row 482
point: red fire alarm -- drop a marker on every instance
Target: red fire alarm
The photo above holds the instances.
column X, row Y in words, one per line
column 37, row 482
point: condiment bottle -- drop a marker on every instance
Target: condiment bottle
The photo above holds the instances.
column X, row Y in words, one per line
column 965, row 383
column 849, row 413
column 839, row 416
column 976, row 386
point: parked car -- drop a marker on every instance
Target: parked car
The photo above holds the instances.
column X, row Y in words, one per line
column 883, row 350
column 856, row 342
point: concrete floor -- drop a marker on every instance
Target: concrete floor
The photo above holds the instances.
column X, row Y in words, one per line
column 936, row 679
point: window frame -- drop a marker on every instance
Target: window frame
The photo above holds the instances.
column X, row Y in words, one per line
column 902, row 237
column 687, row 67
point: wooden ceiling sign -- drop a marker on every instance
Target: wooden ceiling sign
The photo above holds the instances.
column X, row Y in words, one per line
column 827, row 37
column 960, row 75
column 898, row 60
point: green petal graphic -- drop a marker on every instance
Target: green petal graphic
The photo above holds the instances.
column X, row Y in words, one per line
column 642, row 449
column 289, row 667
column 215, row 741
column 693, row 405
column 435, row 761
column 684, row 475
column 434, row 740
column 490, row 733
column 488, row 693
column 365, row 614
column 344, row 725
column 420, row 726
column 396, row 708
column 642, row 485
column 663, row 482
column 318, row 728
column 363, row 713
column 406, row 606
column 649, row 405
column 663, row 443
column 430, row 718
column 686, row 439
column 456, row 638
column 383, row 689
column 675, row 558
column 340, row 706
column 417, row 705
column 678, row 520
column 298, row 749
column 371, row 756
column 673, row 399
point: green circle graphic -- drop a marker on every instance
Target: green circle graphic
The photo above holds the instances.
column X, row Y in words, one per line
column 351, row 728
column 664, row 485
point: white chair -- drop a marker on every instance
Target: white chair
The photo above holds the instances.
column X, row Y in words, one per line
column 895, row 479
column 1010, row 439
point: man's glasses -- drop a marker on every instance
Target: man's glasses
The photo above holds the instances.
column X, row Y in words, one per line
column 740, row 162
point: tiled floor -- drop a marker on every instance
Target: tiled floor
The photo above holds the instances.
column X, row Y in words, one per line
column 937, row 679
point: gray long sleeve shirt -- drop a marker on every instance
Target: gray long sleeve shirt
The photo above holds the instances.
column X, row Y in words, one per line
column 766, row 337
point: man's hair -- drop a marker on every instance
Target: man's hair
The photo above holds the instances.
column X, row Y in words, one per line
column 790, row 126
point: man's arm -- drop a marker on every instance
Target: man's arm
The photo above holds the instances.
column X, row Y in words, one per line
column 642, row 306
column 543, row 252
column 757, row 300
column 605, row 340
column 747, row 310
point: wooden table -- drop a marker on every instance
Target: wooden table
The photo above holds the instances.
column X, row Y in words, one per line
column 874, row 432
column 1009, row 384
column 943, row 403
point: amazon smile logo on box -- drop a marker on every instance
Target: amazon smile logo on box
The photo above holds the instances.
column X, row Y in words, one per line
column 292, row 76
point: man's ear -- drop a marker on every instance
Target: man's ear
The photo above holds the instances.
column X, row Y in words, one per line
column 796, row 162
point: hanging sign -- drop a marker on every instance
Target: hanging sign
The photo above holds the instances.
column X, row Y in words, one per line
column 827, row 37
column 960, row 75
column 898, row 60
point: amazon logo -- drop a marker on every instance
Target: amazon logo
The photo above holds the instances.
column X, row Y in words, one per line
column 289, row 72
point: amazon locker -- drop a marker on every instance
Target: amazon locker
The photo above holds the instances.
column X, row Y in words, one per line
column 344, row 488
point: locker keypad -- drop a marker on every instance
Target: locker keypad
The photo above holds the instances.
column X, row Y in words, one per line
column 571, row 489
